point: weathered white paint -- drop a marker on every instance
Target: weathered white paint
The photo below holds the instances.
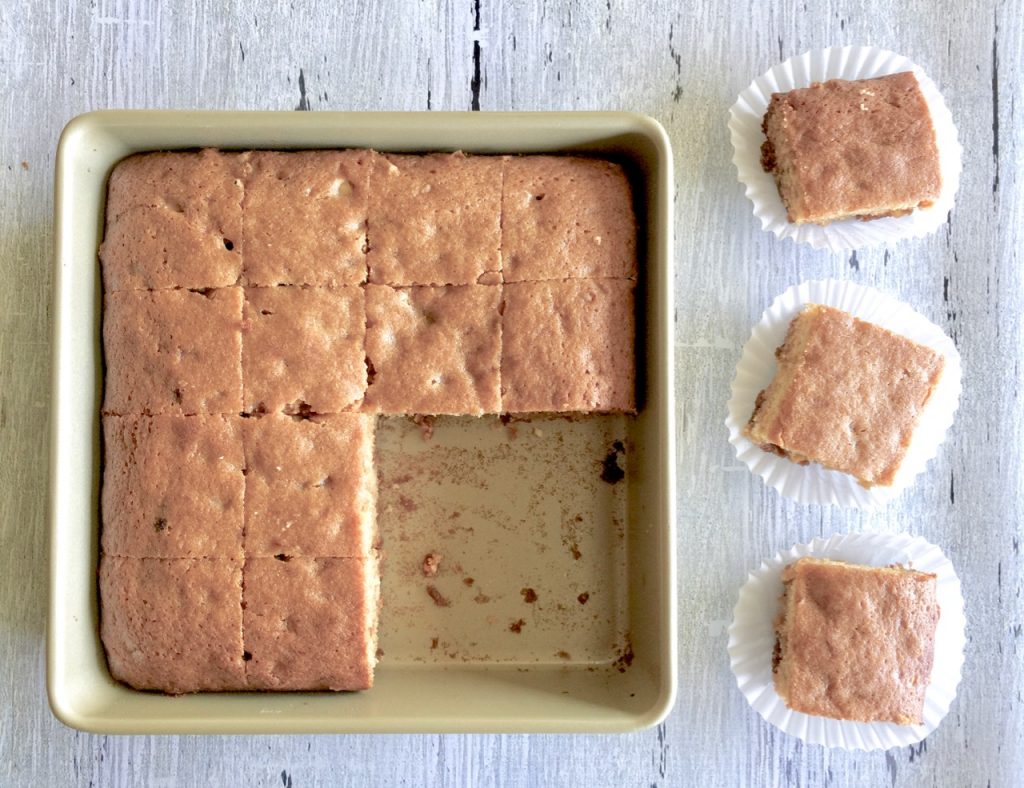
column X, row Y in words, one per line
column 683, row 63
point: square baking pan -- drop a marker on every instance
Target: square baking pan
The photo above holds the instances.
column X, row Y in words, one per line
column 559, row 584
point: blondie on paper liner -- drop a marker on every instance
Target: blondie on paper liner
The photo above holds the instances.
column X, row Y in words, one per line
column 800, row 72
column 752, row 640
column 757, row 366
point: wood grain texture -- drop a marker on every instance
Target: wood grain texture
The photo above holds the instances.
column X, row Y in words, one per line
column 683, row 63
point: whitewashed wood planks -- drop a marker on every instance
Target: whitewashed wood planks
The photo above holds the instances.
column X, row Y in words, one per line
column 683, row 63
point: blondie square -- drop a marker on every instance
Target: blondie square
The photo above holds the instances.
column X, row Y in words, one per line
column 302, row 349
column 433, row 350
column 852, row 149
column 568, row 346
column 855, row 642
column 311, row 623
column 847, row 395
column 172, row 486
column 311, row 486
column 305, row 218
column 566, row 217
column 173, row 351
column 435, row 219
column 173, row 625
column 173, row 220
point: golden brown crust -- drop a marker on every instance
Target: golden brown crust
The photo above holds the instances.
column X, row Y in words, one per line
column 852, row 149
column 847, row 395
column 856, row 642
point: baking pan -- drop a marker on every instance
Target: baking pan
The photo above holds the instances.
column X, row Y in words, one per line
column 553, row 607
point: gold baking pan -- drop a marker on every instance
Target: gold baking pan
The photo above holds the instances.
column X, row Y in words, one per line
column 553, row 608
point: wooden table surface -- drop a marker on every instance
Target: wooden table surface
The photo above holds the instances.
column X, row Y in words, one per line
column 682, row 63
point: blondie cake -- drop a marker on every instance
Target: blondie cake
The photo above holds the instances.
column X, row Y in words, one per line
column 310, row 623
column 310, row 486
column 173, row 351
column 852, row 149
column 303, row 349
column 173, row 486
column 304, row 217
column 173, row 624
column 436, row 220
column 847, row 395
column 159, row 235
column 262, row 310
column 566, row 217
column 855, row 642
column 568, row 346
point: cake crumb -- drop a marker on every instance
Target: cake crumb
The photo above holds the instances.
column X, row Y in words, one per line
column 431, row 563
column 529, row 595
column 582, row 598
column 433, row 643
column 439, row 599
column 468, row 581
column 563, row 655
column 517, row 626
column 426, row 424
column 625, row 658
column 611, row 472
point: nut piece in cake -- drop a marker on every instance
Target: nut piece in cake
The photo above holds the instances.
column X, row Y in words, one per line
column 566, row 217
column 855, row 642
column 435, row 220
column 311, row 488
column 847, row 395
column 173, row 220
column 852, row 149
column 303, row 349
column 173, row 351
column 433, row 350
column 568, row 346
column 311, row 623
column 173, row 625
column 305, row 218
column 172, row 486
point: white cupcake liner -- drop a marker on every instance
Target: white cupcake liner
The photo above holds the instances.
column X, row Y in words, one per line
column 752, row 640
column 800, row 72
column 813, row 484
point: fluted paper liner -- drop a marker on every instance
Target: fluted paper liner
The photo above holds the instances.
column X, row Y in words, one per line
column 752, row 640
column 757, row 366
column 800, row 72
